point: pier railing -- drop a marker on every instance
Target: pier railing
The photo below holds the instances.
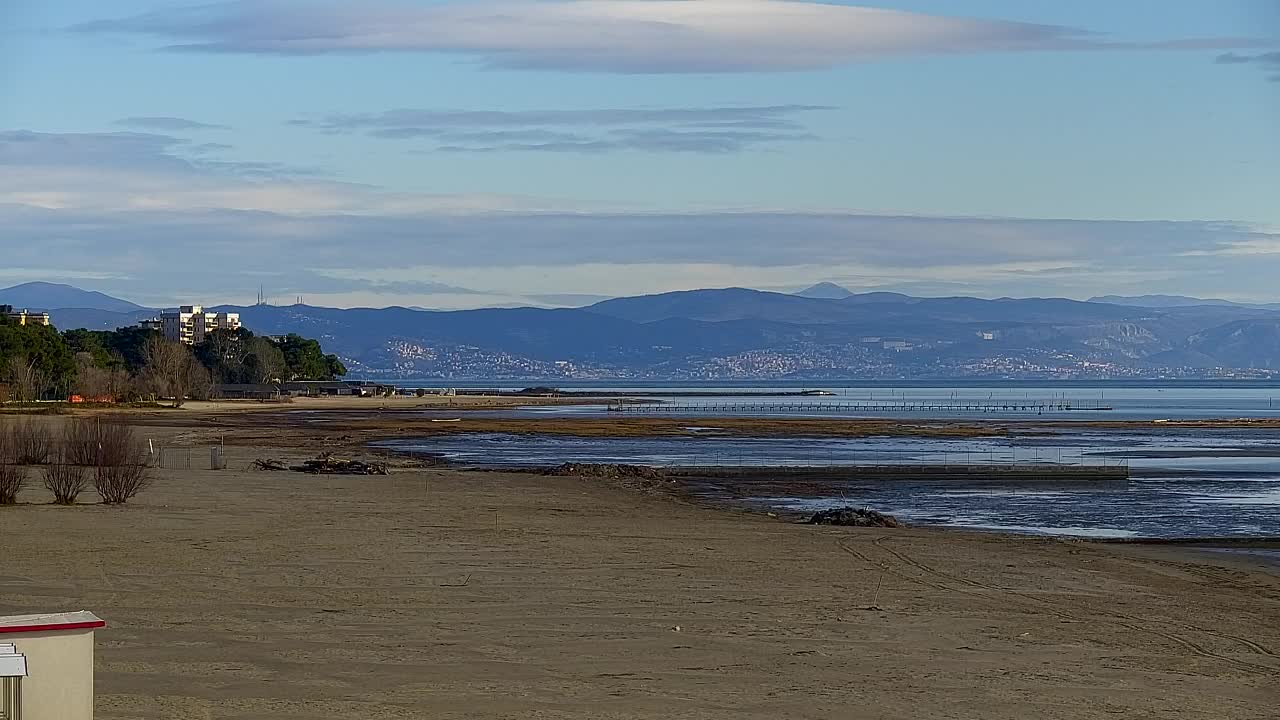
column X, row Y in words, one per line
column 1035, row 407
column 1052, row 460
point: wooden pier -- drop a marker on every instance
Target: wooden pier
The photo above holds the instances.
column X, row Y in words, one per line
column 1031, row 407
column 816, row 476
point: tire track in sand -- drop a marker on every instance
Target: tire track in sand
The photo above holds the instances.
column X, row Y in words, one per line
column 947, row 582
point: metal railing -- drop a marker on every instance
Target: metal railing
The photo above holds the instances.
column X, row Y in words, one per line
column 910, row 406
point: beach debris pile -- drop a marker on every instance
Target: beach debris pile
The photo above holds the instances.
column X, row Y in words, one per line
column 632, row 477
column 608, row 471
column 325, row 465
column 853, row 517
column 329, row 465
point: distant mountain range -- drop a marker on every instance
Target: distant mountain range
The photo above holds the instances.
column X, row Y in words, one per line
column 821, row 332
column 1167, row 301
column 50, row 296
column 825, row 291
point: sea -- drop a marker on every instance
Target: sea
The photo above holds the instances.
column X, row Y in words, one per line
column 1185, row 481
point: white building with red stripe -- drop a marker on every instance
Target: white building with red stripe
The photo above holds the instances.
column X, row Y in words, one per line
column 48, row 675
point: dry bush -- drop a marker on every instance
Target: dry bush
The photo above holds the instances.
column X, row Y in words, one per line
column 121, row 462
column 172, row 371
column 80, row 442
column 25, row 378
column 29, row 442
column 12, row 477
column 12, row 480
column 65, row 479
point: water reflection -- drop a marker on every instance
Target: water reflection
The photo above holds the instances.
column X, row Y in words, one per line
column 1186, row 483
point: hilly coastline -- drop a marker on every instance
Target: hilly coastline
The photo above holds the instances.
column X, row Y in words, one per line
column 740, row 333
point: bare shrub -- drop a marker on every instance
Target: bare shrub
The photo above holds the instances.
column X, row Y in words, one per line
column 121, row 466
column 201, row 381
column 80, row 442
column 26, row 378
column 29, row 442
column 12, row 477
column 172, row 371
column 65, row 480
column 99, row 384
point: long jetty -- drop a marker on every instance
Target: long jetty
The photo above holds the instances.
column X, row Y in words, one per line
column 1037, row 407
column 1049, row 473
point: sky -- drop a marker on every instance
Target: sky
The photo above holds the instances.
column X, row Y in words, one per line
column 453, row 154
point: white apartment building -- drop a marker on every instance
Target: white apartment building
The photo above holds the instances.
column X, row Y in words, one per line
column 190, row 323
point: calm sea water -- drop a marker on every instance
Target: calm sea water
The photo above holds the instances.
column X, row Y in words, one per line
column 1186, row 482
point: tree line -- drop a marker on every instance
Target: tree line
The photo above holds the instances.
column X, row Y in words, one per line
column 134, row 363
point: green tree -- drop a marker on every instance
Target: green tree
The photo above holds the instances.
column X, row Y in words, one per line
column 238, row 356
column 123, row 348
column 305, row 360
column 224, row 352
column 129, row 345
column 91, row 343
column 336, row 369
column 35, row 357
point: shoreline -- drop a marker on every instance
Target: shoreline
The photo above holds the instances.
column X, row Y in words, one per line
column 701, row 484
column 371, row 419
column 342, row 428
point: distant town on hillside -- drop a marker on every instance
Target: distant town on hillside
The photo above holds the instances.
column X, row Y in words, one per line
column 824, row 332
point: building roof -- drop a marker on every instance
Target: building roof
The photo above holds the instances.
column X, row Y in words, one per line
column 46, row 622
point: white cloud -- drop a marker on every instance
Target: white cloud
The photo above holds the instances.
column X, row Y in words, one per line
column 607, row 35
column 143, row 171
column 130, row 210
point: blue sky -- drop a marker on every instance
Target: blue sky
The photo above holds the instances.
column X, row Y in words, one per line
column 461, row 154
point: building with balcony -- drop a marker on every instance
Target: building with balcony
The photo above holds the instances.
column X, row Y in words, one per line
column 190, row 323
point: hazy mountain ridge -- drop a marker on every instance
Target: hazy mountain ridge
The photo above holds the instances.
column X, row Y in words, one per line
column 749, row 333
column 825, row 291
column 1170, row 301
column 53, row 296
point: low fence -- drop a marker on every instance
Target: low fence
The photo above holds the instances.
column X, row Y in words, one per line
column 187, row 458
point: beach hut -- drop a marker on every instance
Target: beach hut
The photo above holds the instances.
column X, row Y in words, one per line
column 46, row 666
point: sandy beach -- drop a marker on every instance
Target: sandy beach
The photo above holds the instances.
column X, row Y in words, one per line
column 436, row 593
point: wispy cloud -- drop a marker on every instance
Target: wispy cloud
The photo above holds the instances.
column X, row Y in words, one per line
column 113, row 204
column 145, row 171
column 701, row 130
column 1269, row 62
column 167, row 124
column 629, row 36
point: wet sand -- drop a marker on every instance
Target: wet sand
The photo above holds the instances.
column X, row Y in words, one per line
column 435, row 593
